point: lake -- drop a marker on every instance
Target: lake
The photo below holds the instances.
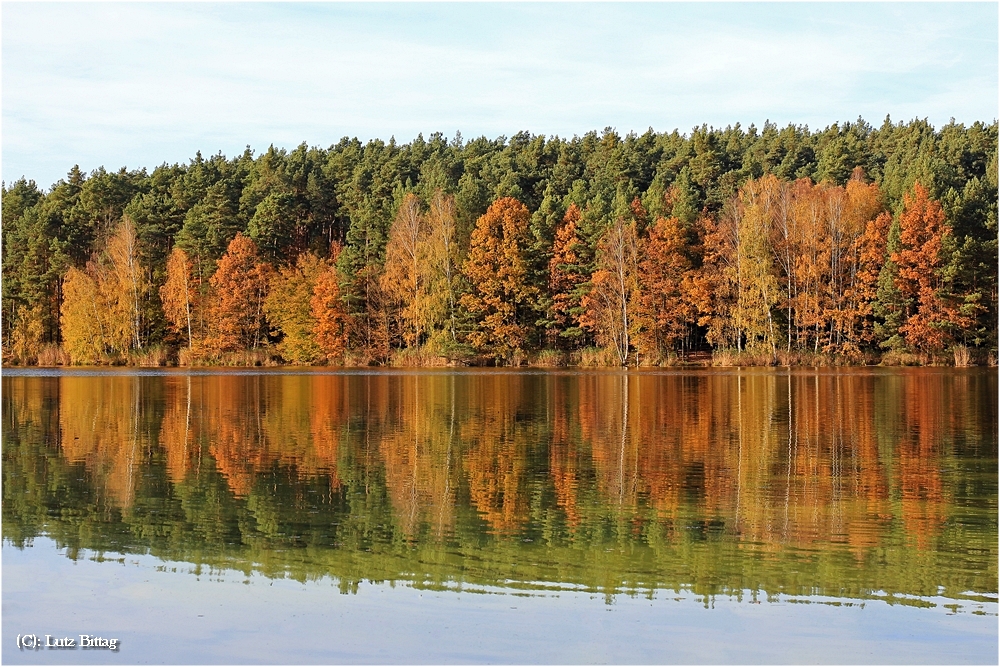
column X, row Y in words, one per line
column 326, row 516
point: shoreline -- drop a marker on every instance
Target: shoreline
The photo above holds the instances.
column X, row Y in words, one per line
column 583, row 359
column 278, row 368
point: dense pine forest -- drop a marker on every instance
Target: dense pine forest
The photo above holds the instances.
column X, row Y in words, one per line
column 852, row 244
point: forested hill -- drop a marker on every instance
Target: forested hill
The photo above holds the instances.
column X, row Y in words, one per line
column 851, row 242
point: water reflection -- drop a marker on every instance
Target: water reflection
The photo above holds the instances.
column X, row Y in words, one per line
column 856, row 484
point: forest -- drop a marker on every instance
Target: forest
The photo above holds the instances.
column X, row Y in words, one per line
column 847, row 245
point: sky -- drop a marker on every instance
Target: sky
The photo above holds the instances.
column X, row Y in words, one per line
column 139, row 84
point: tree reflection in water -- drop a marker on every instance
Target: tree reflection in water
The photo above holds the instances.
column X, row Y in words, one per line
column 848, row 484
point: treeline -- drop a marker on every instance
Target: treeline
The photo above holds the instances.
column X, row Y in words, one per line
column 850, row 244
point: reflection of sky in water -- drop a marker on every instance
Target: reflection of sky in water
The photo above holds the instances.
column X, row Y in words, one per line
column 165, row 613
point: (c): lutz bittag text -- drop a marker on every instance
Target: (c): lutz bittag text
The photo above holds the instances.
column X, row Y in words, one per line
column 33, row 642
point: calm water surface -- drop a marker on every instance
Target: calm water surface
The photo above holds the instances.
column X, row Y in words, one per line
column 518, row 517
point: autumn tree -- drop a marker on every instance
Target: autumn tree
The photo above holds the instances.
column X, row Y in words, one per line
column 863, row 293
column 500, row 297
column 288, row 308
column 403, row 280
column 566, row 278
column 102, row 307
column 849, row 210
column 614, row 286
column 125, row 286
column 931, row 312
column 179, row 294
column 83, row 317
column 868, row 225
column 810, row 190
column 811, row 264
column 370, row 312
column 27, row 335
column 716, row 294
column 664, row 311
column 744, row 231
column 778, row 197
column 329, row 312
column 240, row 285
column 813, row 234
column 439, row 256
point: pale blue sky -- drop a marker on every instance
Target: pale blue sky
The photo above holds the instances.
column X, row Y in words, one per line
column 136, row 85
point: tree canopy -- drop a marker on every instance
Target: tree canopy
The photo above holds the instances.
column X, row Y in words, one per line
column 849, row 240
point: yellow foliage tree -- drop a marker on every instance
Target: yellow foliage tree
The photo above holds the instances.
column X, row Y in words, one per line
column 757, row 285
column 102, row 306
column 179, row 294
column 289, row 310
column 125, row 287
column 609, row 305
column 26, row 338
column 403, row 279
column 439, row 255
column 83, row 317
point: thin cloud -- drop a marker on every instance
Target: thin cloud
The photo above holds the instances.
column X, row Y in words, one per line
column 139, row 84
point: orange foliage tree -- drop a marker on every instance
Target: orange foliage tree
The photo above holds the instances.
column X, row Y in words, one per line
column 931, row 313
column 867, row 227
column 861, row 295
column 796, row 250
column 665, row 309
column 240, row 285
column 329, row 312
column 500, row 296
column 179, row 294
column 566, row 277
column 715, row 295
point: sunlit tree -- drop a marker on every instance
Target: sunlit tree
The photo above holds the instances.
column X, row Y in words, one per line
column 329, row 312
column 240, row 285
column 288, row 308
column 179, row 294
column 500, row 297
column 610, row 303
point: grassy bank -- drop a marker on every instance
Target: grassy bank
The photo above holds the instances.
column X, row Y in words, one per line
column 463, row 356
